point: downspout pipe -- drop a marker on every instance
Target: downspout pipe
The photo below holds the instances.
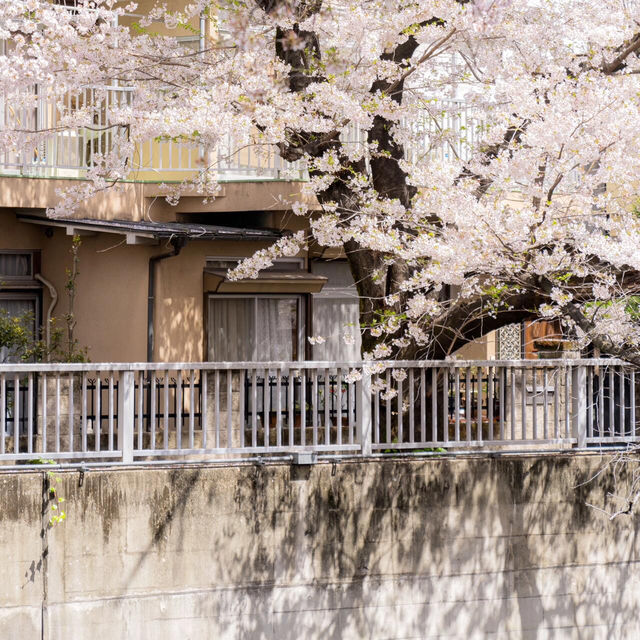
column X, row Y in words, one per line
column 177, row 244
column 52, row 305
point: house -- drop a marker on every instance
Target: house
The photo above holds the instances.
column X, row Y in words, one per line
column 152, row 282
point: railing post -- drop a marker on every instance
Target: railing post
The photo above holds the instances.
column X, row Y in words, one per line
column 363, row 412
column 126, row 415
column 579, row 405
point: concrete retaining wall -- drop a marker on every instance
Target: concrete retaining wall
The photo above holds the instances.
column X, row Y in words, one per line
column 449, row 548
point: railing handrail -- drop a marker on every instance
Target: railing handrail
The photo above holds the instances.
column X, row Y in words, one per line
column 307, row 364
column 126, row 410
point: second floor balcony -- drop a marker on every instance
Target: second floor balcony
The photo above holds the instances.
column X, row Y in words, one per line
column 60, row 151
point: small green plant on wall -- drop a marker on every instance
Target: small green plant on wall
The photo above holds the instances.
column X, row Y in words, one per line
column 57, row 513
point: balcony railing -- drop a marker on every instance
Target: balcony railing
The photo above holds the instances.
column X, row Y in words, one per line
column 123, row 413
column 61, row 152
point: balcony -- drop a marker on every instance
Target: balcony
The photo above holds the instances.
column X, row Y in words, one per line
column 66, row 153
column 122, row 413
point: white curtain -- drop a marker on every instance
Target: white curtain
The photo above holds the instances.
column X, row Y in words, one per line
column 14, row 264
column 332, row 318
column 277, row 329
column 253, row 329
column 231, row 335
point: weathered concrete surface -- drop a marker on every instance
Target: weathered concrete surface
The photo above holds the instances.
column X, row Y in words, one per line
column 453, row 548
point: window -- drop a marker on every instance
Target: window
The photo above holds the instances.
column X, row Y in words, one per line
column 336, row 313
column 17, row 305
column 282, row 264
column 14, row 266
column 255, row 328
column 19, row 291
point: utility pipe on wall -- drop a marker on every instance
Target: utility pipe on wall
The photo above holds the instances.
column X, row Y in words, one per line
column 177, row 244
column 54, row 300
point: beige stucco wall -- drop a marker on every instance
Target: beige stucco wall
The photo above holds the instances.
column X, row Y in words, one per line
column 112, row 288
column 145, row 201
column 449, row 548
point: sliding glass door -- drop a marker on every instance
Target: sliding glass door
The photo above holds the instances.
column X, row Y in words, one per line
column 256, row 328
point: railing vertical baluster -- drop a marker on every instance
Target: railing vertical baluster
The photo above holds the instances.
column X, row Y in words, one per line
column 126, row 415
column 590, row 404
column 411, row 407
column 534, row 403
column 140, row 399
column 579, row 405
column 152, row 411
column 266, row 396
column 568, row 400
column 165, row 435
column 363, row 412
column 216, row 408
column 502, row 381
column 291, row 391
column 254, row 409
column 111, row 412
column 479, row 406
column 523, row 400
column 601, row 374
column 204, row 375
column 192, row 408
column 423, row 406
column 278, row 407
column 622, row 402
column 179, row 409
column 545, row 404
column 468, row 409
column 58, row 413
column 44, row 412
column 556, row 404
column 16, row 414
column 351, row 404
column 83, row 416
column 434, row 404
column 230, row 407
column 30, row 413
column 315, row 401
column 3, row 412
column 445, row 403
column 512, row 394
column 376, row 414
column 98, row 412
column 303, row 407
column 327, row 408
column 490, row 397
column 456, row 402
column 71, row 412
column 633, row 404
column 400, row 405
column 339, row 410
column 241, row 409
column 388, row 407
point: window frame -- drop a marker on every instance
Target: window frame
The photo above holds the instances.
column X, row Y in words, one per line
column 300, row 298
column 7, row 282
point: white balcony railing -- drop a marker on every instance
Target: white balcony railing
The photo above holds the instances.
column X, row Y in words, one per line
column 447, row 134
column 128, row 412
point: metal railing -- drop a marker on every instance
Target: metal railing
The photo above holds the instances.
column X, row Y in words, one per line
column 127, row 412
column 58, row 150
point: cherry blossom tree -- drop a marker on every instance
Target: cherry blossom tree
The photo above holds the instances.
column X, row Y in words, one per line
column 477, row 161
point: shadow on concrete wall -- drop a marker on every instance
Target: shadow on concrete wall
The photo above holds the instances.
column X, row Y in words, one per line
column 387, row 549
